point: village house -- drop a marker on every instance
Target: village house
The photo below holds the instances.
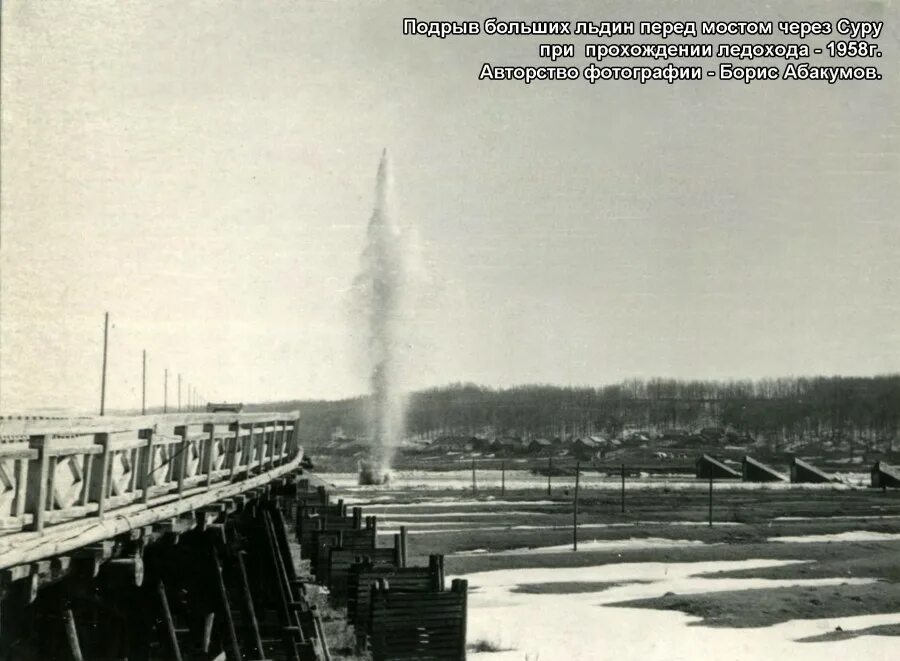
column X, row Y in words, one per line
column 509, row 445
column 541, row 446
column 454, row 443
column 712, row 434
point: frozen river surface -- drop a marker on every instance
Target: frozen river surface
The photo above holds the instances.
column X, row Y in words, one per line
column 575, row 620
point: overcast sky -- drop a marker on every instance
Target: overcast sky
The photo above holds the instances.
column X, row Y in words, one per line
column 204, row 171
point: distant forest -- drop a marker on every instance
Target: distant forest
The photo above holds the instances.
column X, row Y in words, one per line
column 864, row 409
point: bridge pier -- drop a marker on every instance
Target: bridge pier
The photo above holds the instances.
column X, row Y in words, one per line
column 218, row 585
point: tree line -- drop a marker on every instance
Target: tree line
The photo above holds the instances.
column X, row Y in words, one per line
column 864, row 409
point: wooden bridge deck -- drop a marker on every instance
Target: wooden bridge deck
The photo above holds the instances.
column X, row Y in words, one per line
column 69, row 483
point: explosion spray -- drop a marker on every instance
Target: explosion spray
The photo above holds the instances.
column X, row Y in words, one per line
column 382, row 285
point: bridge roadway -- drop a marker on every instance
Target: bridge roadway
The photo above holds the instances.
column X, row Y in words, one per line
column 67, row 484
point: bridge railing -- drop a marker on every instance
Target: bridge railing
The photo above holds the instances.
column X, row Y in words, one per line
column 54, row 471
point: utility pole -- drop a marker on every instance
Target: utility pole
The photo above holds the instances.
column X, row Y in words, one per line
column 103, row 375
column 144, row 383
column 575, row 507
column 179, row 393
column 166, row 390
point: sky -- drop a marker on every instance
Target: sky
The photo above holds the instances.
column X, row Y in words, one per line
column 204, row 171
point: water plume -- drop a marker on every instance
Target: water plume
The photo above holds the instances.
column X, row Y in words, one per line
column 382, row 295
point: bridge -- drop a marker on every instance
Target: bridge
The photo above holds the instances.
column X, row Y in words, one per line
column 115, row 530
column 170, row 537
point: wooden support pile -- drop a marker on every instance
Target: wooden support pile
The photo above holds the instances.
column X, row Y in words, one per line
column 341, row 559
column 408, row 625
column 216, row 583
column 364, row 574
column 397, row 611
column 803, row 472
column 708, row 467
column 885, row 475
column 230, row 590
column 756, row 471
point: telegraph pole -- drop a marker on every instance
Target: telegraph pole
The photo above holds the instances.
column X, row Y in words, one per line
column 103, row 376
column 549, row 473
column 575, row 507
column 144, row 383
column 166, row 390
column 179, row 393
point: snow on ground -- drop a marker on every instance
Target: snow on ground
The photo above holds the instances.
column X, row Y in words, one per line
column 839, row 517
column 630, row 544
column 582, row 627
column 849, row 536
